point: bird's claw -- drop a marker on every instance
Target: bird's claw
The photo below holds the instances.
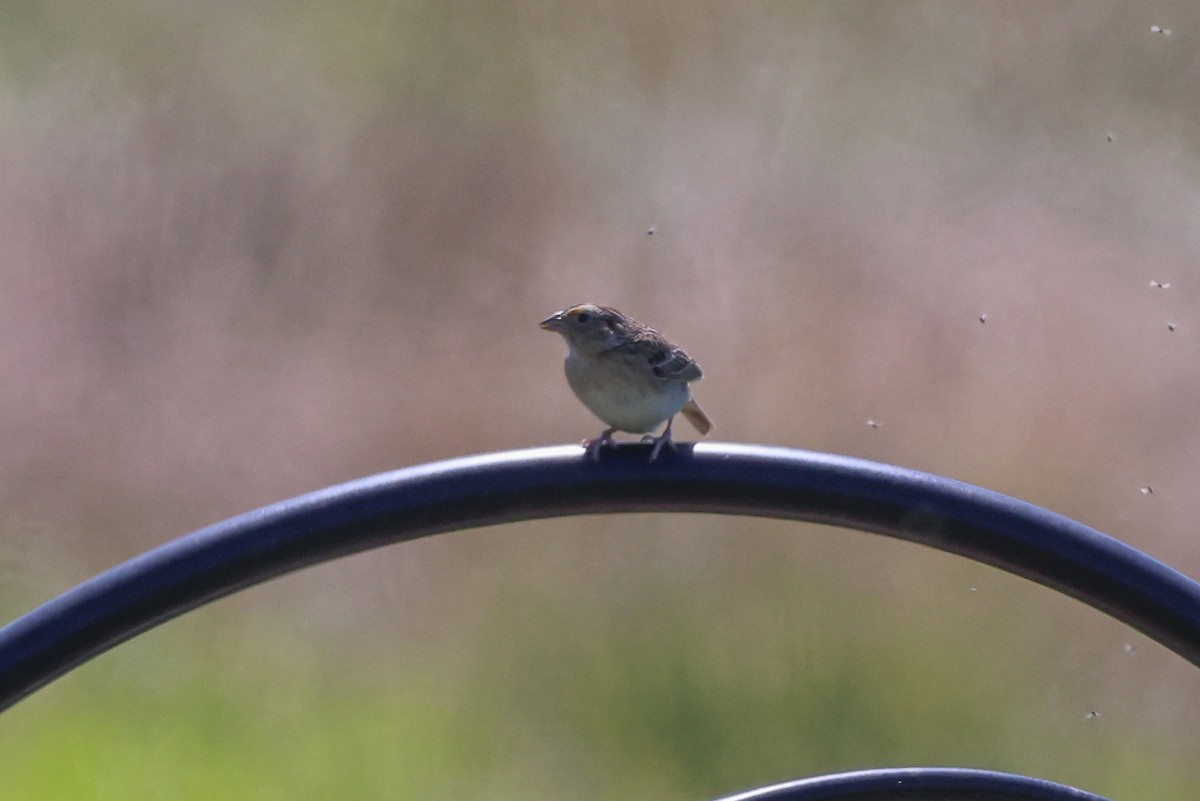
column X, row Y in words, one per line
column 593, row 446
column 661, row 440
column 659, row 443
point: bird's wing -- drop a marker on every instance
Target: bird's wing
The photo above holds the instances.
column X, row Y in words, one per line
column 668, row 362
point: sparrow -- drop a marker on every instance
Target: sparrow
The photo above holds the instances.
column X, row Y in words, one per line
column 629, row 375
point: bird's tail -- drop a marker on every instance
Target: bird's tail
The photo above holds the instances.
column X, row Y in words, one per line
column 696, row 416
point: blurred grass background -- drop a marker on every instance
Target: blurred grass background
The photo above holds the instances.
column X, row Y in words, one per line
column 251, row 249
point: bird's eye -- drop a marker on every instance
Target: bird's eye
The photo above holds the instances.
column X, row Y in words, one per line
column 582, row 318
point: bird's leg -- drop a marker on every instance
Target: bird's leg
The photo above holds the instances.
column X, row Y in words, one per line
column 663, row 439
column 594, row 445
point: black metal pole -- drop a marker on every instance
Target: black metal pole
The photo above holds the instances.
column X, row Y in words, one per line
column 925, row 784
column 504, row 487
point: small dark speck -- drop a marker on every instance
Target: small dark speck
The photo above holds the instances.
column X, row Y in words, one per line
column 1110, row 136
column 650, row 231
column 1147, row 490
column 1091, row 715
column 1159, row 285
column 983, row 317
column 1160, row 29
column 1130, row 648
column 874, row 424
column 1170, row 326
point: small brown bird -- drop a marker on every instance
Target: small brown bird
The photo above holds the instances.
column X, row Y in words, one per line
column 629, row 375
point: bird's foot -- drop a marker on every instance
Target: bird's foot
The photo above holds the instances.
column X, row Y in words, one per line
column 593, row 446
column 662, row 440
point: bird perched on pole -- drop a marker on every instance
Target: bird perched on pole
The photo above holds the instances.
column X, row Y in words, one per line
column 629, row 375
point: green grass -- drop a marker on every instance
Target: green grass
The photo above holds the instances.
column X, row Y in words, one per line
column 109, row 732
column 540, row 701
column 610, row 665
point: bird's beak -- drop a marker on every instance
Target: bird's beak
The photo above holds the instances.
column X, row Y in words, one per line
column 552, row 323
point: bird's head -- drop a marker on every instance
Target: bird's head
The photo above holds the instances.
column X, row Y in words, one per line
column 588, row 327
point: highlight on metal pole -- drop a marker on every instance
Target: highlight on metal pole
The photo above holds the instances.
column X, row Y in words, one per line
column 488, row 489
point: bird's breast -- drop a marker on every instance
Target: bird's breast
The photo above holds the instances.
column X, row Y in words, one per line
column 627, row 396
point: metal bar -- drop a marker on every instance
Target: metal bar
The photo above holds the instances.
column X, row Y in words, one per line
column 926, row 784
column 547, row 482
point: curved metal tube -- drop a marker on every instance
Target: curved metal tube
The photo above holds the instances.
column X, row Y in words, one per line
column 927, row 784
column 547, row 482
